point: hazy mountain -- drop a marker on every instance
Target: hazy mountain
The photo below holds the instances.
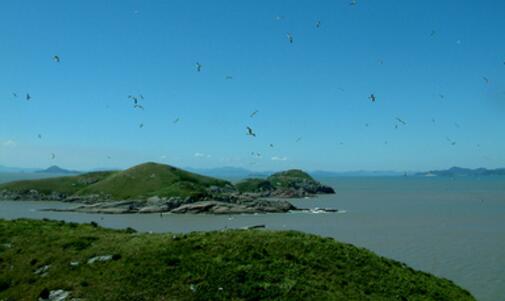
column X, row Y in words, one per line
column 229, row 172
column 57, row 170
column 464, row 172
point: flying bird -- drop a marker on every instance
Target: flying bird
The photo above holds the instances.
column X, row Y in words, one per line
column 372, row 97
column 318, row 24
column 28, row 96
column 14, row 94
column 433, row 33
column 441, row 96
column 228, row 77
column 141, row 125
column 271, row 145
column 278, row 18
column 250, row 132
column 56, row 59
column 176, row 120
column 298, row 139
column 53, row 156
column 486, row 79
column 198, row 67
column 137, row 106
column 39, row 136
column 401, row 121
column 253, row 114
column 353, row 2
column 290, row 38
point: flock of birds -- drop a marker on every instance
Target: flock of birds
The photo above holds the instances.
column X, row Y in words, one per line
column 137, row 99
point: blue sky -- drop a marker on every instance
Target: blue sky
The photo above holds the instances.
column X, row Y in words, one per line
column 316, row 88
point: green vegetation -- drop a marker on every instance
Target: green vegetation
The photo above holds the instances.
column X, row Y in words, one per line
column 138, row 182
column 64, row 185
column 254, row 185
column 225, row 265
column 290, row 178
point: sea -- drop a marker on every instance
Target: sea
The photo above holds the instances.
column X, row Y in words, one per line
column 451, row 227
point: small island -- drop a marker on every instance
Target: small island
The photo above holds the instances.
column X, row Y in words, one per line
column 159, row 188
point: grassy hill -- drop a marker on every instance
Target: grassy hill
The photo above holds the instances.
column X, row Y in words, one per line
column 36, row 257
column 138, row 182
column 293, row 179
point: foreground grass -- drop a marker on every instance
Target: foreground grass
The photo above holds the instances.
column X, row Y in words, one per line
column 226, row 265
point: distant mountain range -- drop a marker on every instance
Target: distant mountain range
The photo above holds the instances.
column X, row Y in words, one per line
column 241, row 173
column 57, row 170
column 463, row 172
column 50, row 170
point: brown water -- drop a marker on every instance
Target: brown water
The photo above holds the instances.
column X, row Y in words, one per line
column 454, row 228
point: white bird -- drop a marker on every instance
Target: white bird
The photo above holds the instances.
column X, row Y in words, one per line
column 198, row 67
column 372, row 97
column 56, row 59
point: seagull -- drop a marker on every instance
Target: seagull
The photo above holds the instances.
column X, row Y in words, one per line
column 278, row 18
column 109, row 157
column 401, row 121
column 381, row 61
column 290, row 38
column 141, row 125
column 176, row 120
column 298, row 139
column 271, row 145
column 39, row 136
column 53, row 156
column 136, row 106
column 250, row 132
column 228, row 77
column 253, row 114
column 450, row 141
column 433, row 33
column 198, row 67
column 56, row 59
column 441, row 96
column 353, row 2
column 372, row 97
column 318, row 23
column 134, row 98
column 486, row 79
column 14, row 94
column 433, row 120
column 28, row 96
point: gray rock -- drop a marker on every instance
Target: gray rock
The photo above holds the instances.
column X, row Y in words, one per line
column 56, row 295
column 42, row 271
column 103, row 258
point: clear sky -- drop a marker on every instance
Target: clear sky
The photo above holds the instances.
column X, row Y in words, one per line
column 312, row 95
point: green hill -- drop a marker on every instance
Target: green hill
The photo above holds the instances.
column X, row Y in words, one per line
column 290, row 183
column 139, row 182
column 37, row 257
